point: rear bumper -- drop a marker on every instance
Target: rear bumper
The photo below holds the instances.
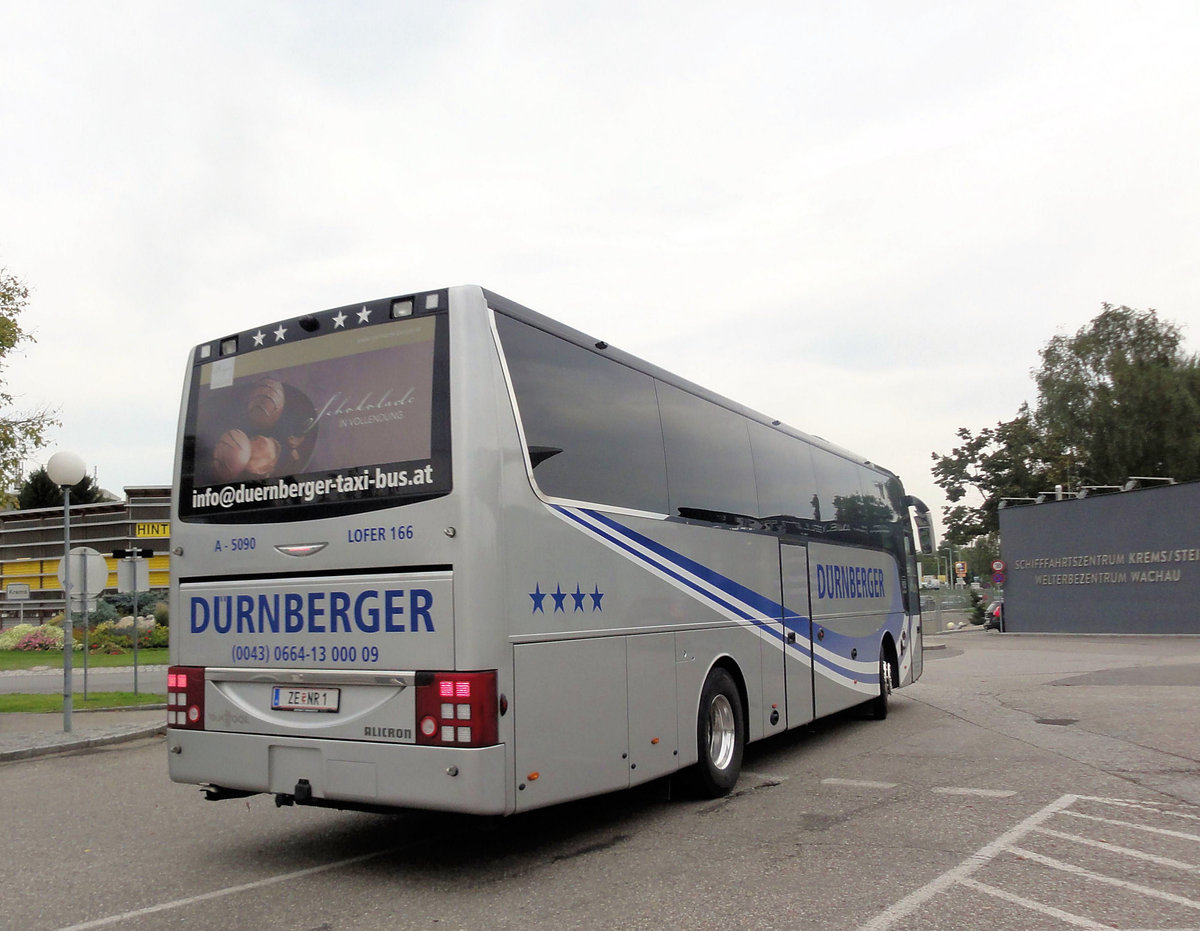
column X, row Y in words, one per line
column 471, row 781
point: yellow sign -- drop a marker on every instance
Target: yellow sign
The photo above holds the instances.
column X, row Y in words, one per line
column 153, row 530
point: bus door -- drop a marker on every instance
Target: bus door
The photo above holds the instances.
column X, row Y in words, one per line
column 917, row 641
column 797, row 633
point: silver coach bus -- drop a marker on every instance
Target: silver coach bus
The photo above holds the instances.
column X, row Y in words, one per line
column 439, row 551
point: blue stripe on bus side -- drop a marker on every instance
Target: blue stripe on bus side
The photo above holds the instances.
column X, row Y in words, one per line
column 764, row 606
column 628, row 548
column 836, row 643
column 673, row 563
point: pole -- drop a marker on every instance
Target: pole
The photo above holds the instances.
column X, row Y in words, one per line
column 135, row 627
column 68, row 632
column 86, row 625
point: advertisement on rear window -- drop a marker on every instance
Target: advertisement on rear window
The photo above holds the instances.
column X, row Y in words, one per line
column 344, row 417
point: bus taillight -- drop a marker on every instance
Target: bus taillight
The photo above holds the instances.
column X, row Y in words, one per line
column 185, row 697
column 457, row 709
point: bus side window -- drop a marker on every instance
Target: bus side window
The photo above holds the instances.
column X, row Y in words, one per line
column 709, row 465
column 787, row 486
column 591, row 423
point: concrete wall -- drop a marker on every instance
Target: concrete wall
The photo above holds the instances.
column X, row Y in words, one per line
column 1124, row 563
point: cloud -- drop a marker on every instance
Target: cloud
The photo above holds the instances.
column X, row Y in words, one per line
column 863, row 219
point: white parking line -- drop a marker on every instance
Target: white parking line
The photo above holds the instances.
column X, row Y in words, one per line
column 1182, row 835
column 1077, row 920
column 1074, row 870
column 983, row 793
column 1156, row 809
column 228, row 890
column 859, row 783
column 1123, row 851
column 1009, row 843
column 976, row 861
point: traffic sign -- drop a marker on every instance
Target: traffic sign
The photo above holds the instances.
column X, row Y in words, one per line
column 133, row 575
column 89, row 572
column 998, row 578
column 998, row 565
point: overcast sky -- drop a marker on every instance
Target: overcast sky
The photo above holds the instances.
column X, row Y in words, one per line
column 861, row 218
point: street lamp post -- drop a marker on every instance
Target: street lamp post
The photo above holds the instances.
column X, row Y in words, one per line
column 66, row 469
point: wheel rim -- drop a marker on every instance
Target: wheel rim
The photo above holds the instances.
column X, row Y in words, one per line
column 885, row 672
column 722, row 732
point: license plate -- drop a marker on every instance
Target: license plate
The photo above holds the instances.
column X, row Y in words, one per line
column 293, row 699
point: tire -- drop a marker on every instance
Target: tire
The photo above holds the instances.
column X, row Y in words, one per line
column 720, row 735
column 878, row 706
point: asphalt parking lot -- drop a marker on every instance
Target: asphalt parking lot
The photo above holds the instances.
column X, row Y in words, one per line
column 1024, row 782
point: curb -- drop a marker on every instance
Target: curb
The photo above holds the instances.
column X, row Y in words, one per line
column 30, row 746
column 71, row 742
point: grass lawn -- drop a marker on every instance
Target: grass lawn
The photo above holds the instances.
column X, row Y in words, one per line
column 17, row 659
column 47, row 704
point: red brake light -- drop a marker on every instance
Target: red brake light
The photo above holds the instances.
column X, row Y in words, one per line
column 185, row 697
column 457, row 709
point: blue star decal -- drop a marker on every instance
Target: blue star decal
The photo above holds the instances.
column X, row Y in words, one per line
column 559, row 597
column 538, row 597
column 596, row 596
column 577, row 596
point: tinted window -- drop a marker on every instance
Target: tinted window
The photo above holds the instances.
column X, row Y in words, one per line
column 591, row 423
column 840, row 510
column 878, row 516
column 783, row 468
column 709, row 467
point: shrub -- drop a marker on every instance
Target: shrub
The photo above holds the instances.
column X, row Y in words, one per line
column 10, row 637
column 977, row 607
column 118, row 638
column 41, row 639
column 159, row 636
column 122, row 602
column 104, row 612
column 103, row 638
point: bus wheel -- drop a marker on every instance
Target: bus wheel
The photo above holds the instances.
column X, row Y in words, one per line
column 879, row 704
column 720, row 735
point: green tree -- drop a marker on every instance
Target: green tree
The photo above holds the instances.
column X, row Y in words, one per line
column 1122, row 394
column 39, row 491
column 1009, row 460
column 1120, row 397
column 21, row 432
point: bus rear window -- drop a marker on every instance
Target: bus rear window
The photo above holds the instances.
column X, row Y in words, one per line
column 349, row 416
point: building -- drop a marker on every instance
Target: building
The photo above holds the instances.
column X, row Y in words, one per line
column 31, row 547
column 1127, row 562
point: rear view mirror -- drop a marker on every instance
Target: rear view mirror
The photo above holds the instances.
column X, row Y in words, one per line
column 923, row 523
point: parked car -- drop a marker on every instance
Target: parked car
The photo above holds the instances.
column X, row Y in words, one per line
column 993, row 615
